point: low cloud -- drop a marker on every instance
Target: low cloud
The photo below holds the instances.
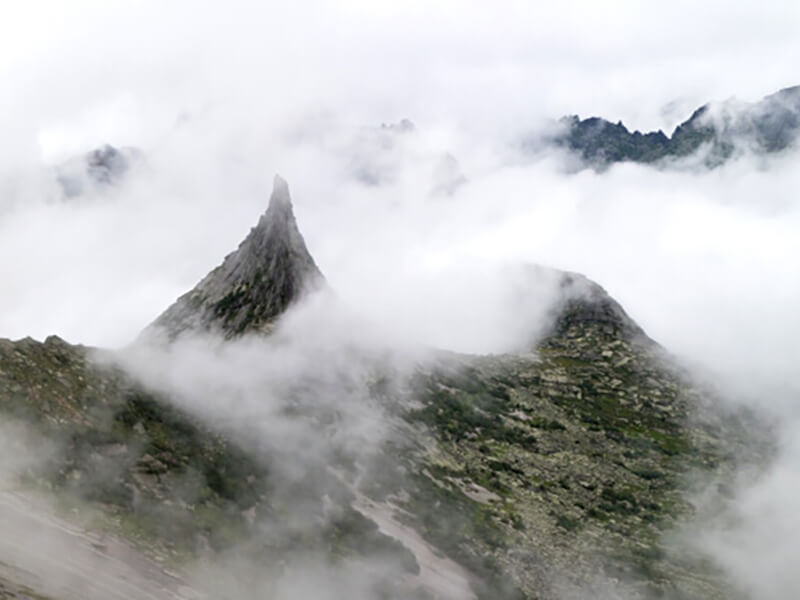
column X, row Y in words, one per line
column 705, row 261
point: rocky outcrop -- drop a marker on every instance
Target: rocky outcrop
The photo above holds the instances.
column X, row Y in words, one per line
column 271, row 270
column 583, row 306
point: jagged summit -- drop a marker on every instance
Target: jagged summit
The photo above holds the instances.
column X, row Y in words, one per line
column 254, row 285
column 272, row 268
column 719, row 129
column 280, row 194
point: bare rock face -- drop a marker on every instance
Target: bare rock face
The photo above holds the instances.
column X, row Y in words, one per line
column 270, row 270
column 583, row 306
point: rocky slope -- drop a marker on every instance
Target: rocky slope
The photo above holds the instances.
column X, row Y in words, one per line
column 718, row 130
column 542, row 474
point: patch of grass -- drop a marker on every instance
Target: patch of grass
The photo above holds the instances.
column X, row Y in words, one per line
column 567, row 523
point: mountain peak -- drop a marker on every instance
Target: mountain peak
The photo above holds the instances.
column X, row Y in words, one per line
column 585, row 313
column 280, row 193
column 270, row 270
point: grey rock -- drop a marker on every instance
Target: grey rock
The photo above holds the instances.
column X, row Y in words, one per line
column 271, row 270
column 717, row 131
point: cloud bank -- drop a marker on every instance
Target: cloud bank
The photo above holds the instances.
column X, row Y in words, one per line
column 219, row 98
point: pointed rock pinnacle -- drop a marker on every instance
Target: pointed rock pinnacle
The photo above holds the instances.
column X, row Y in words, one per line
column 271, row 270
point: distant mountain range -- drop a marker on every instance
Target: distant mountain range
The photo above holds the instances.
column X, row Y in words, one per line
column 713, row 134
column 717, row 131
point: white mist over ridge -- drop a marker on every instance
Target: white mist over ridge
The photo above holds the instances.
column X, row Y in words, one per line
column 219, row 98
column 682, row 251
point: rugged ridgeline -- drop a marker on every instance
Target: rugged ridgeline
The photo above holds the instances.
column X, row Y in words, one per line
column 535, row 475
column 717, row 129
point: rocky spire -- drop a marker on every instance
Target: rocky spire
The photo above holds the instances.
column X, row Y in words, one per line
column 254, row 285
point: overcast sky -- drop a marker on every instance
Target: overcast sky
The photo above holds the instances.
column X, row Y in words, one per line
column 87, row 71
column 220, row 96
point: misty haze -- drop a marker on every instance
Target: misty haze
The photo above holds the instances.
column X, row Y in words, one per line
column 378, row 301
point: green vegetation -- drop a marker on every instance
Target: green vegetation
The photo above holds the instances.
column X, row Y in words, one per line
column 586, row 444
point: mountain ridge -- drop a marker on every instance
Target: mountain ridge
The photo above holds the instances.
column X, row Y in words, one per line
column 540, row 474
column 723, row 128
